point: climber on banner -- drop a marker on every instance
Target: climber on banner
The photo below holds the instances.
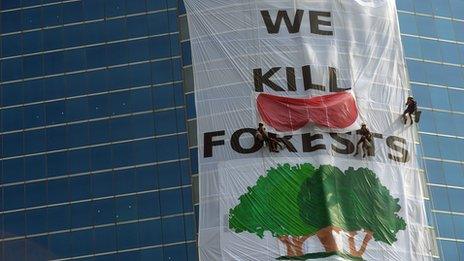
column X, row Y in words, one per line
column 262, row 136
column 411, row 109
column 365, row 141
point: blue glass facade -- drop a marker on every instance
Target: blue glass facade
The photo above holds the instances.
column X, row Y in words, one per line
column 433, row 40
column 98, row 136
column 95, row 162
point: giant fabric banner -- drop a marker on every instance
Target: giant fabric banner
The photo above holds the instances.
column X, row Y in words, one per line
column 310, row 71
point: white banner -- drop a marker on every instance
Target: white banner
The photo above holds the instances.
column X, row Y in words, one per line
column 311, row 71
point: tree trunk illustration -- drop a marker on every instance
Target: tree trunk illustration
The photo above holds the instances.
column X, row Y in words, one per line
column 294, row 245
column 327, row 239
column 352, row 244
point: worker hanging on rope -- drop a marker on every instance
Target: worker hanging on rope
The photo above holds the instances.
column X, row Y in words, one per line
column 365, row 141
column 263, row 136
column 410, row 110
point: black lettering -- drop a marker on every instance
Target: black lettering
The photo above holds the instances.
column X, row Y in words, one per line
column 285, row 140
column 273, row 28
column 400, row 149
column 333, row 86
column 349, row 146
column 291, row 80
column 315, row 22
column 208, row 142
column 307, row 80
column 261, row 79
column 307, row 139
column 235, row 141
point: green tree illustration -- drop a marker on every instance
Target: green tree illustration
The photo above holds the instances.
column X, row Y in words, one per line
column 272, row 205
column 331, row 200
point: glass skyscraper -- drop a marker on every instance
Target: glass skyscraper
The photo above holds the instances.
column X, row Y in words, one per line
column 433, row 40
column 95, row 161
column 98, row 129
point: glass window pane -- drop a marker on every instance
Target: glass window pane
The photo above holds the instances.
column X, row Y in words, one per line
column 440, row 198
column 426, row 26
column 150, row 232
column 439, row 98
column 105, row 239
column 435, row 172
column 32, row 18
column 449, row 250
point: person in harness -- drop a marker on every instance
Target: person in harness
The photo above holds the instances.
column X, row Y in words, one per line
column 262, row 136
column 365, row 141
column 410, row 109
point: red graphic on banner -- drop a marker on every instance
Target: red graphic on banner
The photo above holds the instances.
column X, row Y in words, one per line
column 337, row 110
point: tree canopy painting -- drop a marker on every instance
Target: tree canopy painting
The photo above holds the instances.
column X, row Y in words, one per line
column 294, row 203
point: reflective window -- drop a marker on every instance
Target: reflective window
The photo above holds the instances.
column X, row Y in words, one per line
column 52, row 15
column 449, row 250
column 148, row 205
column 36, row 194
column 444, row 123
column 32, row 42
column 435, row 172
column 441, row 8
column 56, row 138
column 173, row 229
column 457, row 8
column 176, row 252
column 439, row 98
column 125, row 181
column 52, row 38
column 430, row 50
column 426, row 26
column 450, row 148
column 171, row 201
column 169, row 174
column 115, row 8
column 14, row 250
column 82, row 214
column 115, row 29
column 11, row 21
column 14, row 224
column 102, row 184
column 127, row 235
column 34, row 167
column 36, row 221
column 58, row 191
column 408, row 23
column 82, row 242
column 59, row 244
column 150, row 232
column 456, row 99
column 56, row 164
column 456, row 205
column 445, row 225
column 80, row 187
column 451, row 53
column 412, row 47
column 13, row 197
column 93, row 9
column 440, row 198
column 105, row 239
column 135, row 6
column 72, row 12
column 10, row 4
column 12, row 170
column 137, row 26
column 31, row 18
column 11, row 44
